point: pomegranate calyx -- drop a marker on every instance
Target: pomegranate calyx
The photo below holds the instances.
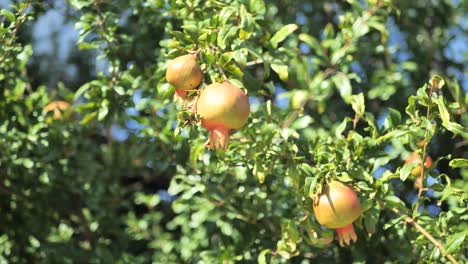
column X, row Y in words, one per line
column 346, row 234
column 218, row 139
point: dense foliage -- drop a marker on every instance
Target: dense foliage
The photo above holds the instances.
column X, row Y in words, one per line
column 338, row 90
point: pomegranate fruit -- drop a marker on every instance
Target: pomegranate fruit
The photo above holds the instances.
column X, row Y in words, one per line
column 58, row 107
column 416, row 159
column 222, row 107
column 185, row 74
column 337, row 207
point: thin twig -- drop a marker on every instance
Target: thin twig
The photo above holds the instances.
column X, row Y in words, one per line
column 288, row 122
column 195, row 52
column 102, row 22
column 355, row 121
column 296, row 113
column 425, row 233
column 110, row 44
column 461, row 143
column 423, row 160
column 254, row 62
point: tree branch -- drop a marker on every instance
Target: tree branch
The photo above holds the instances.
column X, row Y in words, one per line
column 423, row 160
column 296, row 113
column 425, row 233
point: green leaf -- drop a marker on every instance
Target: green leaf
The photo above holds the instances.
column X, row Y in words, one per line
column 257, row 6
column 240, row 56
column 411, row 109
column 338, row 55
column 87, row 118
column 26, row 162
column 191, row 30
column 8, row 15
column 343, row 84
column 79, row 4
column 393, row 119
column 282, row 34
column 423, row 97
column 329, row 31
column 103, row 111
column 341, row 128
column 87, row 46
column 310, row 186
column 454, row 242
column 444, row 114
column 237, row 83
column 226, row 35
column 392, row 222
column 262, row 256
column 302, row 122
column 246, row 23
column 395, row 202
column 225, row 59
column 85, row 87
column 311, row 41
column 357, row 103
column 458, row 163
column 382, row 91
column 119, row 90
column 225, row 14
column 234, row 71
column 456, row 129
column 177, row 34
column 360, row 27
column 281, row 70
column 259, row 170
column 405, row 171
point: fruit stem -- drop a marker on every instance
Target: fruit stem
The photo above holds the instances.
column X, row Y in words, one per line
column 195, row 52
column 346, row 234
column 218, row 139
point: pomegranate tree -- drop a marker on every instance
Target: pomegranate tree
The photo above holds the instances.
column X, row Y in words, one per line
column 337, row 207
column 185, row 74
column 222, row 107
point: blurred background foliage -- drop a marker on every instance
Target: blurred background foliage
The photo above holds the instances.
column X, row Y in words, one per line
column 338, row 89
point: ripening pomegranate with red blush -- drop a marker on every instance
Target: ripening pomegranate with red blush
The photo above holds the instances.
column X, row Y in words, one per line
column 223, row 107
column 185, row 74
column 337, row 207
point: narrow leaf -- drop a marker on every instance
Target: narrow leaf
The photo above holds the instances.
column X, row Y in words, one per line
column 281, row 70
column 357, row 103
column 282, row 34
column 8, row 15
column 454, row 242
column 343, row 84
column 458, row 163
